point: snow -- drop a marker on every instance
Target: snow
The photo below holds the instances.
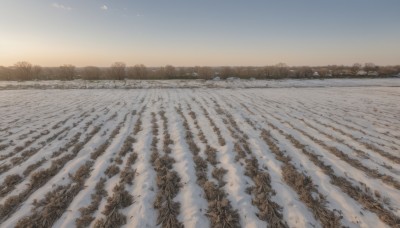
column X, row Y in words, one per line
column 348, row 119
column 217, row 82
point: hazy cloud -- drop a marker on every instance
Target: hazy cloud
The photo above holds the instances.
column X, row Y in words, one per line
column 104, row 7
column 60, row 6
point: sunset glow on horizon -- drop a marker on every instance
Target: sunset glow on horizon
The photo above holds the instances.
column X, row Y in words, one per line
column 206, row 33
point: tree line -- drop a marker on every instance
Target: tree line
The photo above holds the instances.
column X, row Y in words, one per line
column 23, row 71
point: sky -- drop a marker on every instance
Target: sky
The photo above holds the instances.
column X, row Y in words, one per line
column 200, row 32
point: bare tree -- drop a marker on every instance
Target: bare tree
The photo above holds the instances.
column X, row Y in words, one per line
column 23, row 70
column 267, row 71
column 49, row 73
column 36, row 70
column 184, row 72
column 304, row 72
column 170, row 71
column 226, row 72
column 138, row 71
column 117, row 71
column 282, row 70
column 355, row 68
column 158, row 73
column 91, row 73
column 369, row 67
column 205, row 73
column 245, row 72
column 66, row 72
column 5, row 73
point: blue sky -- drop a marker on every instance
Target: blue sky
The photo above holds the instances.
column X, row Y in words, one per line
column 183, row 33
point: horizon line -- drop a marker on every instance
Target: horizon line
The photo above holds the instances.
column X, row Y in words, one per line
column 213, row 66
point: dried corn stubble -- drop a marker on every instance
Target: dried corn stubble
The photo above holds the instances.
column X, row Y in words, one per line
column 119, row 200
column 9, row 184
column 39, row 178
column 33, row 167
column 48, row 210
column 169, row 212
column 127, row 175
column 112, row 170
column 303, row 185
column 87, row 212
column 168, row 180
column 219, row 210
column 262, row 191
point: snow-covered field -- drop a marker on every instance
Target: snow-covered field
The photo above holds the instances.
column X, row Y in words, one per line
column 230, row 83
column 199, row 157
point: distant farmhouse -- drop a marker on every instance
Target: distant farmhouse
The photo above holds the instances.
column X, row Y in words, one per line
column 362, row 73
column 367, row 73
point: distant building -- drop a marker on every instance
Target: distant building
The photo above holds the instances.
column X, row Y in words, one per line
column 345, row 72
column 373, row 73
column 193, row 74
column 316, row 74
column 362, row 73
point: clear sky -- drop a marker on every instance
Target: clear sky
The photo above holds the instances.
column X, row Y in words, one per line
column 199, row 32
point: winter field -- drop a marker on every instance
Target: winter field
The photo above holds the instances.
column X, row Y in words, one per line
column 200, row 157
column 229, row 83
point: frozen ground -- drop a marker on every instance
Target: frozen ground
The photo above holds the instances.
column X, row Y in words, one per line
column 237, row 83
column 295, row 157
